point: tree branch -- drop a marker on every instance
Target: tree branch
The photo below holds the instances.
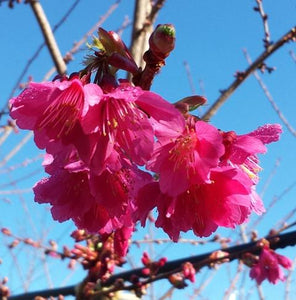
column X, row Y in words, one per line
column 199, row 261
column 290, row 35
column 49, row 37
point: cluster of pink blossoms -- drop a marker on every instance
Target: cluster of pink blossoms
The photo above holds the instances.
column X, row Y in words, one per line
column 267, row 266
column 114, row 152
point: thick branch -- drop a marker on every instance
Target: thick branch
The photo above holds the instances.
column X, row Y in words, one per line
column 139, row 35
column 144, row 18
column 244, row 75
column 49, row 37
column 199, row 261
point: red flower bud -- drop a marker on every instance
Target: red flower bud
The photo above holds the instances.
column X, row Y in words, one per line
column 162, row 40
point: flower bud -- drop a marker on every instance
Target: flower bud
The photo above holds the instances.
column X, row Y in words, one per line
column 162, row 40
column 6, row 231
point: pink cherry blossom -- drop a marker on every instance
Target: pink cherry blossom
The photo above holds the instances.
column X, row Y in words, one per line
column 126, row 120
column 68, row 194
column 115, row 191
column 242, row 150
column 187, row 159
column 224, row 202
column 53, row 109
column 268, row 266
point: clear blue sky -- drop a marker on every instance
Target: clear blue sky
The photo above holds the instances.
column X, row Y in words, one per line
column 210, row 38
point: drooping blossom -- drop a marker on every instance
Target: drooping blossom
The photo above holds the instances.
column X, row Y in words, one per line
column 268, row 266
column 53, row 109
column 225, row 201
column 68, row 193
column 99, row 203
column 127, row 120
column 186, row 159
column 115, row 191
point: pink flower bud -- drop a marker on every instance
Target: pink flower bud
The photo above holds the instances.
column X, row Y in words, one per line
column 6, row 231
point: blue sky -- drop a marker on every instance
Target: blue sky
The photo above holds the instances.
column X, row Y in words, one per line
column 210, row 38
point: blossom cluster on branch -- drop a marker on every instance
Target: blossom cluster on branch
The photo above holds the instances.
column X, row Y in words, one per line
column 115, row 150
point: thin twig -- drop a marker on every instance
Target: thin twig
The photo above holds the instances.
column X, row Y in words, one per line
column 69, row 55
column 291, row 34
column 233, row 283
column 37, row 52
column 264, row 18
column 49, row 37
column 189, row 77
column 204, row 283
column 16, row 149
column 275, row 200
column 269, row 97
column 289, row 280
column 293, row 55
column 269, row 178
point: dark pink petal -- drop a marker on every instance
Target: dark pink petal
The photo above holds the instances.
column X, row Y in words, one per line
column 256, row 273
column 96, row 219
column 245, row 146
column 121, row 240
column 27, row 108
column 284, row 261
column 116, row 190
column 93, row 94
column 166, row 119
column 68, row 193
column 228, row 197
column 268, row 133
column 171, row 219
column 145, row 201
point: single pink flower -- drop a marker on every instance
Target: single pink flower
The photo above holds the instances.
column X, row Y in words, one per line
column 242, row 150
column 68, row 194
column 125, row 120
column 53, row 109
column 224, row 201
column 187, row 159
column 268, row 266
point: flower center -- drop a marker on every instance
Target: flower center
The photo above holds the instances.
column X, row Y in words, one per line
column 183, row 151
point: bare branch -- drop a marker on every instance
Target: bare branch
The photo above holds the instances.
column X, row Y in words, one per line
column 49, row 37
column 199, row 261
column 290, row 35
column 144, row 17
column 141, row 30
